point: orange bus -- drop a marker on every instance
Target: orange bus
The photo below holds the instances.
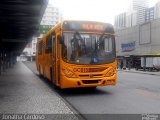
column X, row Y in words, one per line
column 78, row 54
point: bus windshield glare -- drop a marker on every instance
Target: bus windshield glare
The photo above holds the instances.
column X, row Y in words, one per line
column 78, row 48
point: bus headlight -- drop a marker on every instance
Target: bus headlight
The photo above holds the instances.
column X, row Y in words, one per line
column 110, row 73
column 68, row 73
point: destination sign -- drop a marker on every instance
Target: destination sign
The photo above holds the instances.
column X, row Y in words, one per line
column 87, row 26
column 92, row 27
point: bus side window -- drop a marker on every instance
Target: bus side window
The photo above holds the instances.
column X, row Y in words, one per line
column 48, row 44
column 53, row 39
column 40, row 48
column 53, row 44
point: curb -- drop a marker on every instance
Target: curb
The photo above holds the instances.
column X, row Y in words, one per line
column 140, row 72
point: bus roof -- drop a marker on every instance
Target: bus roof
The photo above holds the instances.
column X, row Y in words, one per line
column 82, row 26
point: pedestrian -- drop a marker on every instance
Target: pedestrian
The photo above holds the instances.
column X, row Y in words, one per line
column 129, row 65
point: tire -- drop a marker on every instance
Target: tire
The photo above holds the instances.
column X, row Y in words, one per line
column 40, row 72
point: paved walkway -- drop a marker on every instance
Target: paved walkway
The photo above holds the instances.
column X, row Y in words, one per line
column 21, row 91
column 141, row 72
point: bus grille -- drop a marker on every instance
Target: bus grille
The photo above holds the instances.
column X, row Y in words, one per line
column 91, row 75
column 91, row 81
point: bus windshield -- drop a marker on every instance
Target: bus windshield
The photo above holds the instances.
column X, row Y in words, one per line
column 78, row 48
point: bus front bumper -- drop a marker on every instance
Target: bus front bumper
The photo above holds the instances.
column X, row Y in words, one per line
column 82, row 82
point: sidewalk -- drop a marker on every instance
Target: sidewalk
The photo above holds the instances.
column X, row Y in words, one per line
column 23, row 92
column 141, row 72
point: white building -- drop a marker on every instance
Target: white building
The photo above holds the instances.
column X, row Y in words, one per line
column 140, row 6
column 51, row 16
column 149, row 14
column 133, row 16
column 136, row 12
column 29, row 52
column 157, row 10
column 120, row 21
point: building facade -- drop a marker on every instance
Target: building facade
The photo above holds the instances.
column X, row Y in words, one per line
column 120, row 21
column 50, row 18
column 140, row 6
column 136, row 12
column 140, row 40
column 134, row 15
column 157, row 10
column 131, row 18
column 149, row 14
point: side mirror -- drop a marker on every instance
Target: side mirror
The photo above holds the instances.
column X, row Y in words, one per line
column 60, row 39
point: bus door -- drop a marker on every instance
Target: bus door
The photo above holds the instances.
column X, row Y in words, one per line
column 57, row 62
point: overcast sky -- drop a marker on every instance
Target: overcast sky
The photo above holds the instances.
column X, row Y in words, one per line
column 95, row 10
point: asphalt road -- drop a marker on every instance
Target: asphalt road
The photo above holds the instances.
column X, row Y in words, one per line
column 134, row 94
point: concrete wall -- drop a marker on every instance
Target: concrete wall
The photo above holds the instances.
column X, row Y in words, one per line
column 146, row 37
